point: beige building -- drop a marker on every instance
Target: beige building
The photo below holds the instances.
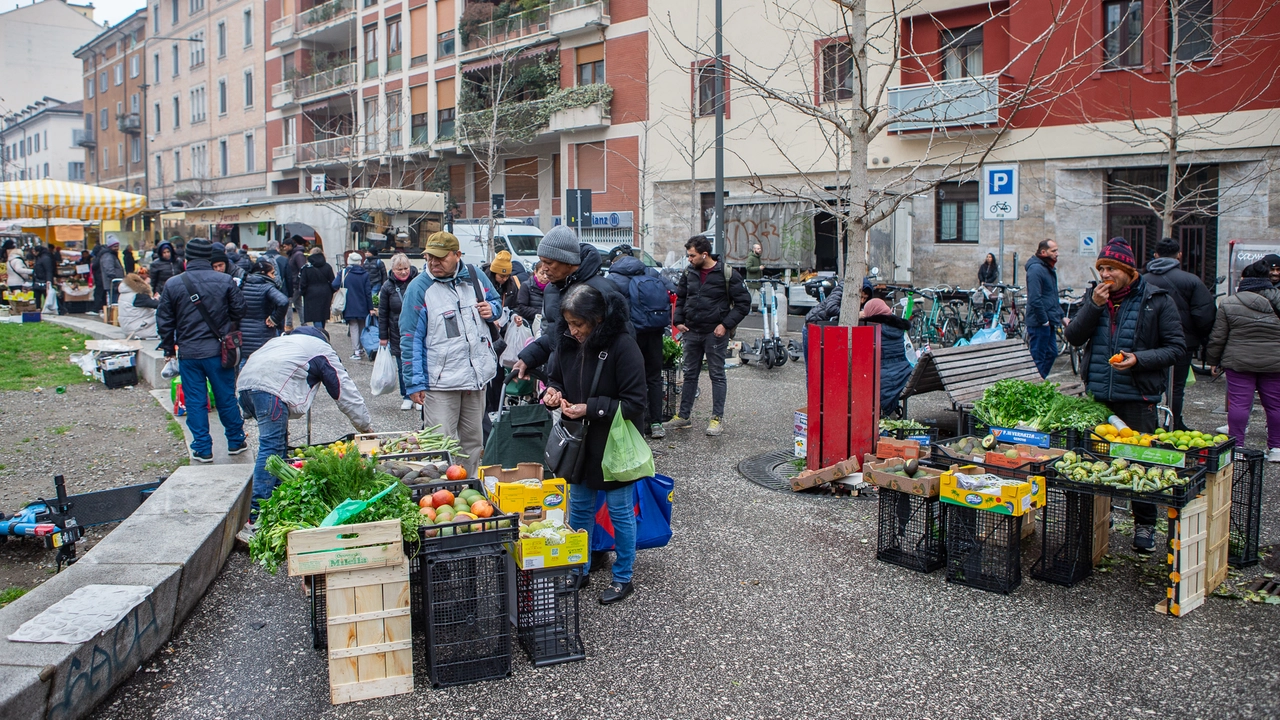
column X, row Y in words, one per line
column 115, row 89
column 29, row 64
column 205, row 115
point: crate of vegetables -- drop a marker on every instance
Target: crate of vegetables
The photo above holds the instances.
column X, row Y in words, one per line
column 1034, row 414
column 1013, row 460
column 1214, row 452
column 428, row 443
column 908, row 430
column 1084, row 471
column 456, row 515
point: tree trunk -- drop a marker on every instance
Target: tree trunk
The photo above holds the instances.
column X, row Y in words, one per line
column 855, row 263
column 1171, row 182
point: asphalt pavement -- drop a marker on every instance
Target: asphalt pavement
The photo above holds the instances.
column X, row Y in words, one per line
column 767, row 605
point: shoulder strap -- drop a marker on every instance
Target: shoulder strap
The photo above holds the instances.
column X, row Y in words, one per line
column 595, row 381
column 204, row 311
column 475, row 283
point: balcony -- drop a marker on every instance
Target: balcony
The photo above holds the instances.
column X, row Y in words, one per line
column 321, row 23
column 282, row 158
column 339, row 79
column 965, row 102
column 577, row 108
column 591, row 117
column 570, row 17
column 505, row 33
column 282, row 29
column 320, row 151
column 84, row 137
column 129, row 123
column 282, row 94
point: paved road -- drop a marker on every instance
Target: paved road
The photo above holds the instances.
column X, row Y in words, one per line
column 768, row 605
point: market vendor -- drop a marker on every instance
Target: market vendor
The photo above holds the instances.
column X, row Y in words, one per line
column 894, row 368
column 1132, row 335
column 279, row 382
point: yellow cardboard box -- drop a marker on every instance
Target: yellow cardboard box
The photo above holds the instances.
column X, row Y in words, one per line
column 534, row 553
column 517, row 497
column 971, row 486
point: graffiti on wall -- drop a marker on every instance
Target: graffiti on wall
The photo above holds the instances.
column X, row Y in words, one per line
column 113, row 658
column 784, row 231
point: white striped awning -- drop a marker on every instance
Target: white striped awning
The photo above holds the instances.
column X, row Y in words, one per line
column 54, row 199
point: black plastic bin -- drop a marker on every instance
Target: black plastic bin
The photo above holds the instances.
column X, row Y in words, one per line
column 319, row 612
column 120, row 377
column 1066, row 538
column 547, row 619
column 672, row 379
column 1246, row 507
column 911, row 531
column 983, row 549
column 469, row 597
column 484, row 534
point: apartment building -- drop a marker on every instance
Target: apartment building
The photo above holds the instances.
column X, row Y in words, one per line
column 205, row 112
column 115, row 91
column 43, row 141
column 28, row 63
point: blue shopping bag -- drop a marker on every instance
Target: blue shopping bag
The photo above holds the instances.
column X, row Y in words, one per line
column 654, row 497
column 369, row 337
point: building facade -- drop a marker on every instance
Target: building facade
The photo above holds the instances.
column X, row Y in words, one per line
column 43, row 141
column 35, row 58
column 115, row 91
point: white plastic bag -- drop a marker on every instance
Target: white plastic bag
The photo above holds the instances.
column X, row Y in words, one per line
column 171, row 369
column 50, row 303
column 384, row 378
column 517, row 336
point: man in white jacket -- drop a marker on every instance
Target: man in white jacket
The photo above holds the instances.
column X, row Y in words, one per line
column 279, row 381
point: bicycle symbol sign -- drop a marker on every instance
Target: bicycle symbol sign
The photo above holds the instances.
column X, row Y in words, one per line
column 1001, row 207
column 999, row 192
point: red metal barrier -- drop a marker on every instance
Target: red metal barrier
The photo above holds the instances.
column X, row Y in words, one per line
column 844, row 393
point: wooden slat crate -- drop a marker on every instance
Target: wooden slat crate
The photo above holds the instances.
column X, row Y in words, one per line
column 1217, row 491
column 370, row 633
column 1101, row 527
column 1188, row 558
column 345, row 547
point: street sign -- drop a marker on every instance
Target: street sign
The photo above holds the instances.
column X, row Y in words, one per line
column 1088, row 244
column 1000, row 192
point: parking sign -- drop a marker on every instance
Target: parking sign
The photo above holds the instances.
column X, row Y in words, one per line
column 999, row 192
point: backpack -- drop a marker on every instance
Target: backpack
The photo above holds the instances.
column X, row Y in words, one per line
column 650, row 302
column 728, row 280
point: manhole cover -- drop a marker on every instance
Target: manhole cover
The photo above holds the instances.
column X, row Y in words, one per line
column 774, row 470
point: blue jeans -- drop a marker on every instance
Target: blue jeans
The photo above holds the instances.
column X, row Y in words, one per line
column 399, row 372
column 272, row 415
column 195, row 373
column 1044, row 347
column 622, row 511
column 318, row 324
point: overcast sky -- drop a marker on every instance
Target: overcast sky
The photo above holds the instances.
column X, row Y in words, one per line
column 112, row 11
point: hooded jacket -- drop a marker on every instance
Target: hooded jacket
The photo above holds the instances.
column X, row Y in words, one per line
column 292, row 366
column 622, row 383
column 529, row 300
column 315, row 287
column 1043, row 304
column 180, row 322
column 262, row 300
column 294, row 264
column 1194, row 301
column 359, row 293
column 390, row 305
column 137, row 308
column 161, row 270
column 377, row 271
column 444, row 343
column 828, row 309
column 19, row 273
column 894, row 367
column 1246, row 332
column 701, row 305
column 536, row 353
column 626, row 268
column 112, row 270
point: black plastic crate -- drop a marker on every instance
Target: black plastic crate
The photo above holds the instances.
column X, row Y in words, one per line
column 1246, row 507
column 319, row 612
column 1061, row 439
column 1176, row 496
column 983, row 549
column 672, row 380
column 485, row 533
column 547, row 619
column 120, row 377
column 1212, row 459
column 911, row 531
column 1066, row 538
column 942, row 455
column 469, row 604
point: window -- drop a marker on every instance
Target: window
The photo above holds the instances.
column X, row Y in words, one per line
column 177, row 114
column 705, row 82
column 222, row 96
column 445, row 26
column 197, row 48
column 199, row 111
column 289, row 136
column 446, row 43
column 175, row 59
column 250, row 161
column 371, row 51
column 120, row 154
column 591, row 166
column 118, row 73
column 1195, row 30
column 248, row 88
column 155, row 21
column 199, row 162
column 102, row 81
column 370, row 124
column 135, row 149
column 222, row 38
column 37, row 142
column 395, row 119
column 93, row 162
column 75, row 171
column 222, row 158
column 135, row 66
column 444, row 122
column 155, row 114
column 393, row 44
column 195, row 6
column 177, row 161
column 837, row 71
column 521, row 178
column 46, row 169
column 159, row 180
column 119, row 109
column 1122, row 45
column 370, row 3
column 247, row 19
column 445, row 113
column 957, row 213
column 90, row 86
column 102, row 119
column 155, row 67
column 590, row 59
column 961, row 53
column 174, row 14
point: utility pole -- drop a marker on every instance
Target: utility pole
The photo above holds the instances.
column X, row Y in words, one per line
column 717, row 245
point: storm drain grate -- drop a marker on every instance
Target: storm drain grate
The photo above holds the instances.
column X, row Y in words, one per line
column 774, row 470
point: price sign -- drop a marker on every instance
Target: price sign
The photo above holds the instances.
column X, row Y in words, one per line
column 1155, row 456
column 1021, row 437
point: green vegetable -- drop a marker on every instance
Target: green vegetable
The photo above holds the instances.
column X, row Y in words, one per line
column 887, row 425
column 672, row 351
column 1036, row 406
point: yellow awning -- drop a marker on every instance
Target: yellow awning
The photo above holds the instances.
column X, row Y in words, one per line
column 54, row 199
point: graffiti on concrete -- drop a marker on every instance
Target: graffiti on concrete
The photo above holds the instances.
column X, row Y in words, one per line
column 783, row 229
column 113, row 658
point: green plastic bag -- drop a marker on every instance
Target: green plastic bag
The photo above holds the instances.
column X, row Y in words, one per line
column 627, row 456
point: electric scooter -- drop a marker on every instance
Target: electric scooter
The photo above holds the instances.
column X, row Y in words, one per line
column 769, row 349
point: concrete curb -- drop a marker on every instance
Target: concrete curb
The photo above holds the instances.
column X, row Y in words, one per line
column 176, row 543
column 150, row 360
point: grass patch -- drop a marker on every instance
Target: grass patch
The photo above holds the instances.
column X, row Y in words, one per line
column 35, row 355
column 10, row 594
column 60, row 430
column 128, row 428
column 176, row 430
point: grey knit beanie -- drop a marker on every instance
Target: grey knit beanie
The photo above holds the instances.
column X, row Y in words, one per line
column 561, row 245
column 199, row 249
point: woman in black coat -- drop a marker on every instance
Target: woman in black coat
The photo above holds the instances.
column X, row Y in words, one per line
column 165, row 266
column 316, row 288
column 529, row 296
column 44, row 270
column 989, row 271
column 390, row 301
column 265, row 306
column 593, row 324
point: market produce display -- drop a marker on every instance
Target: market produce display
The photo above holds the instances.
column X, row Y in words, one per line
column 424, row 441
column 972, row 446
column 553, row 532
column 314, row 482
column 1119, row 473
column 1036, row 406
column 1188, row 439
column 1126, row 436
column 903, row 468
column 889, row 425
column 439, row 510
column 410, row 472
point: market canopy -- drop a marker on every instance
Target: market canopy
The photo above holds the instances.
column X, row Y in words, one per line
column 54, row 199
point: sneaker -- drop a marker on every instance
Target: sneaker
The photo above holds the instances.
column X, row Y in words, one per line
column 236, row 450
column 417, row 406
column 406, row 405
column 1144, row 538
column 205, row 458
column 616, row 592
column 657, row 432
column 247, row 532
column 354, row 356
column 714, row 427
column 1273, row 455
column 1223, row 430
column 677, row 423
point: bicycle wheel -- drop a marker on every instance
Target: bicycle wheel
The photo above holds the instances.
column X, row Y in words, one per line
column 949, row 333
column 1077, row 359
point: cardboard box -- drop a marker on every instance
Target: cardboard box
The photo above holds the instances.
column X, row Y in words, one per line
column 802, row 432
column 534, row 553
column 992, row 493
column 813, row 478
column 523, row 471
column 517, row 497
column 905, row 449
column 926, row 483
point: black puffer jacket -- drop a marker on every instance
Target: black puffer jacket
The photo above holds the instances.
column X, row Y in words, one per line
column 377, row 271
column 1156, row 341
column 262, row 300
column 315, row 284
column 161, row 270
column 390, row 302
column 621, row 383
column 179, row 322
column 529, row 300
column 701, row 306
column 536, row 353
column 1194, row 301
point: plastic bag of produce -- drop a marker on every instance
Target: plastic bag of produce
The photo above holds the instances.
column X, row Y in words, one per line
column 516, row 336
column 627, row 456
column 384, row 378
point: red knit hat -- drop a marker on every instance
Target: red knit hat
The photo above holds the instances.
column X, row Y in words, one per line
column 1118, row 255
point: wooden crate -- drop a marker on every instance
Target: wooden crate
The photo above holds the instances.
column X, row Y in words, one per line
column 1217, row 487
column 1188, row 558
column 370, row 633
column 1101, row 527
column 1217, row 491
column 345, row 547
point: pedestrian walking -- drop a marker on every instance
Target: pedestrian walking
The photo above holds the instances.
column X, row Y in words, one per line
column 197, row 343
column 165, row 266
column 376, row 269
column 1195, row 309
column 128, row 260
column 315, row 285
column 99, row 287
column 295, row 261
column 989, row 271
column 446, row 349
column 265, row 308
column 1044, row 309
column 711, row 299
column 390, row 305
column 599, row 371
column 755, row 265
column 359, row 300
column 649, row 295
column 44, row 272
column 19, row 273
column 1138, row 321
column 272, row 253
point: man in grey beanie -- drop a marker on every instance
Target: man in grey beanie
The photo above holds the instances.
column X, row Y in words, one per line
column 566, row 263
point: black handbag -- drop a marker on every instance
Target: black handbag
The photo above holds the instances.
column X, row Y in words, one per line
column 563, row 457
column 230, row 342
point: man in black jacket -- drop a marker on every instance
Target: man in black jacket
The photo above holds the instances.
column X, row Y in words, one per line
column 711, row 300
column 1044, row 310
column 1128, row 316
column 1195, row 309
column 295, row 260
column 185, row 333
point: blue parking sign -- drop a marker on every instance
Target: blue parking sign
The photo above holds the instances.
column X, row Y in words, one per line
column 1000, row 192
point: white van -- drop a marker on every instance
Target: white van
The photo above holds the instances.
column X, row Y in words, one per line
column 510, row 234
